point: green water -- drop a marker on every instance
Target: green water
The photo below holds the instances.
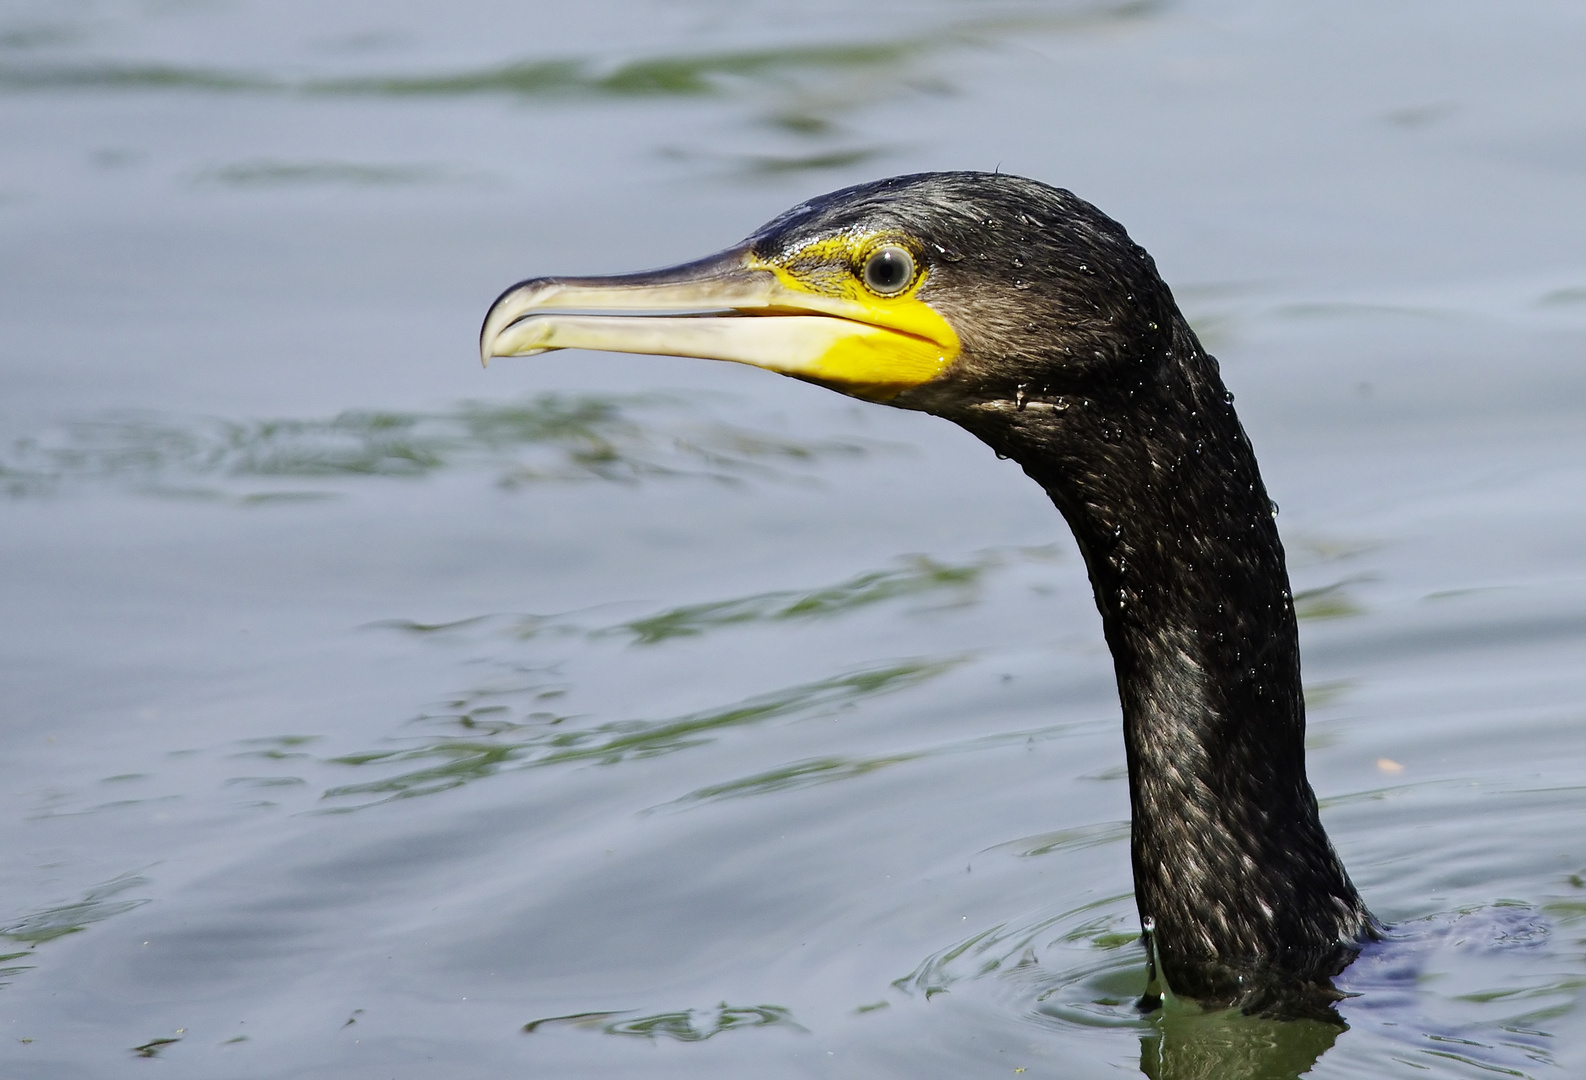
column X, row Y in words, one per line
column 367, row 714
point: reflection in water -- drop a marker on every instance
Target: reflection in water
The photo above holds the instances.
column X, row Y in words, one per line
column 1085, row 836
column 798, row 90
column 509, row 727
column 270, row 173
column 1505, row 1029
column 693, row 1025
column 1084, row 967
column 1188, row 1044
column 1559, row 297
column 1493, row 1017
column 56, row 922
column 683, row 74
column 687, row 1025
column 917, row 576
column 1345, row 310
column 51, row 923
column 1327, row 602
column 773, row 164
column 662, row 76
column 795, row 775
column 9, row 966
column 1081, row 965
column 496, row 735
column 153, row 1047
column 826, row 770
column 494, row 744
column 550, row 437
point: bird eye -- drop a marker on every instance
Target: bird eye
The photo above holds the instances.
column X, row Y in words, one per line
column 888, row 271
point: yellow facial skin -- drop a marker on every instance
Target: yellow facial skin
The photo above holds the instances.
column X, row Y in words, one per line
column 807, row 314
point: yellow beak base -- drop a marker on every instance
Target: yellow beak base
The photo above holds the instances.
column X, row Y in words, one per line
column 734, row 307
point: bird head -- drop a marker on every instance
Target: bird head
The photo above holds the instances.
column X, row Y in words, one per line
column 931, row 291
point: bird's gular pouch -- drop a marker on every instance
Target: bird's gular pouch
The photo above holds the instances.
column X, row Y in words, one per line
column 853, row 324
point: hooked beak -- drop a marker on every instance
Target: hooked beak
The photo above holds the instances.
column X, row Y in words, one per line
column 732, row 306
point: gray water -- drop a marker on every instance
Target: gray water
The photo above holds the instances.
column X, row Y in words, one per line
column 367, row 714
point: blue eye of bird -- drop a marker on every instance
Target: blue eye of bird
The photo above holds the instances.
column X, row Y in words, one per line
column 888, row 271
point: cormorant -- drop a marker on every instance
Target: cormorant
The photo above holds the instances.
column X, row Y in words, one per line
column 1027, row 316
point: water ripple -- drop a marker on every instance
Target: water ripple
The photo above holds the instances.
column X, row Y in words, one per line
column 547, row 438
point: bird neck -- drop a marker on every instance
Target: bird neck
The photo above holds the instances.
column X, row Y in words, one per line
column 1159, row 483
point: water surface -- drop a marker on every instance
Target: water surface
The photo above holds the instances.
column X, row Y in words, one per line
column 370, row 715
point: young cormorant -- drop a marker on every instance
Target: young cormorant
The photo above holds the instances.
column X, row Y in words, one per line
column 1028, row 317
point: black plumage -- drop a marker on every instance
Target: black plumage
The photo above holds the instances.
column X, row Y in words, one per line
column 1078, row 365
